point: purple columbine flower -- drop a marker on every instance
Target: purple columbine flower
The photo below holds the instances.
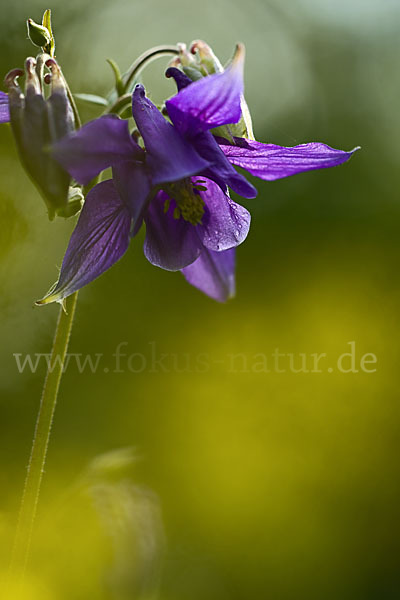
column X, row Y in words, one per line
column 4, row 108
column 177, row 183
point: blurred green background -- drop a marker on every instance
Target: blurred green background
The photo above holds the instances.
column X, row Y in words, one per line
column 239, row 484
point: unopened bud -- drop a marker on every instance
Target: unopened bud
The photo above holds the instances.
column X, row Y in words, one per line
column 206, row 57
column 201, row 62
column 190, row 61
column 186, row 59
column 39, row 35
column 197, row 62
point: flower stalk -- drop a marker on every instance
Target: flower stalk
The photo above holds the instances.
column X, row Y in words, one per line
column 125, row 84
column 41, row 438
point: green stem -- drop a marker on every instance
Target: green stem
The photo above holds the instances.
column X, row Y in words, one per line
column 144, row 59
column 119, row 105
column 44, row 422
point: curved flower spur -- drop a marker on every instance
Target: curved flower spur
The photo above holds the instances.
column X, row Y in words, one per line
column 176, row 180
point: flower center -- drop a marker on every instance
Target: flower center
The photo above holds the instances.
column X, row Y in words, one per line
column 189, row 203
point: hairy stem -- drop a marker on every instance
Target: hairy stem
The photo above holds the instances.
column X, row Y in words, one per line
column 44, row 422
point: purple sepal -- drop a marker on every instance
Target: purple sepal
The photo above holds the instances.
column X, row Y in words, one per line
column 99, row 239
column 4, row 108
column 170, row 243
column 133, row 184
column 169, row 156
column 213, row 273
column 209, row 102
column 225, row 223
column 270, row 162
column 99, row 144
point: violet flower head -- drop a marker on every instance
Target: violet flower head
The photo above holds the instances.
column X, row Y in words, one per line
column 4, row 108
column 176, row 182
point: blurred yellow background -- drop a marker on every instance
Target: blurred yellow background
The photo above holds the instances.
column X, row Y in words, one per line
column 204, row 476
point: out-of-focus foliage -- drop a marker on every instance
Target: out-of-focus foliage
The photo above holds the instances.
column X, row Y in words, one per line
column 263, row 485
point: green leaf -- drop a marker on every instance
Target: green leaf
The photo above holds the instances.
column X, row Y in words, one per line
column 119, row 86
column 46, row 22
column 92, row 99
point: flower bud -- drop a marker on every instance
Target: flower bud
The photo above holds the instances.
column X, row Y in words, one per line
column 39, row 35
column 36, row 124
column 185, row 58
column 206, row 57
column 200, row 61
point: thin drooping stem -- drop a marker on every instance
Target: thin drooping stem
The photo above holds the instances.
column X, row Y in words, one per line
column 41, row 439
column 124, row 99
column 145, row 59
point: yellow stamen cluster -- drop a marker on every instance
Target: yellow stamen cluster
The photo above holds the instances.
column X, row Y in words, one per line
column 189, row 203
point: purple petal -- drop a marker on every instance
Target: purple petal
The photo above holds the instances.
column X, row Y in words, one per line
column 170, row 243
column 133, row 184
column 213, row 273
column 211, row 101
column 98, row 145
column 271, row 162
column 99, row 239
column 225, row 224
column 169, row 156
column 221, row 171
column 4, row 109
